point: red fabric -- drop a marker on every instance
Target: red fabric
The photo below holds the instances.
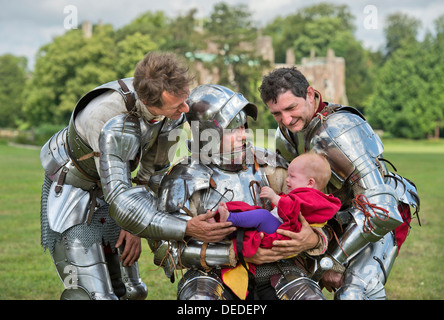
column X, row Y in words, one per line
column 316, row 207
column 252, row 239
column 321, row 104
column 402, row 231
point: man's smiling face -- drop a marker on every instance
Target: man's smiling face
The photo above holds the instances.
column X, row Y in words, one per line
column 295, row 113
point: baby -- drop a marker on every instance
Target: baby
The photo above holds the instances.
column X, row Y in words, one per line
column 308, row 175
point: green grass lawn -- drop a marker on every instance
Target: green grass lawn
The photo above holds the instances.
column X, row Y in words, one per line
column 27, row 272
column 418, row 271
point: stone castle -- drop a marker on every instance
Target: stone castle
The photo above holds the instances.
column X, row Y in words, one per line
column 325, row 74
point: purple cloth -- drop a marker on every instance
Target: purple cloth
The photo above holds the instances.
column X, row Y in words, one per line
column 260, row 219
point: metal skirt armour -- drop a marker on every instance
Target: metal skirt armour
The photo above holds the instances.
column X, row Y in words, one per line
column 102, row 228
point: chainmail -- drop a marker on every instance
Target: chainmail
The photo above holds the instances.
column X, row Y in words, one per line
column 48, row 237
column 103, row 229
column 265, row 271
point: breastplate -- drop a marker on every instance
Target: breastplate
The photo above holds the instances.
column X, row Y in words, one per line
column 242, row 185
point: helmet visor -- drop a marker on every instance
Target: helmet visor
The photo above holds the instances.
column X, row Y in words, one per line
column 239, row 120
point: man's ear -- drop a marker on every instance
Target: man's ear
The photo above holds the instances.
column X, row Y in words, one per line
column 310, row 93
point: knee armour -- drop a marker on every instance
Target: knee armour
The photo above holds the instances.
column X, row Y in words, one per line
column 367, row 273
column 298, row 288
column 83, row 272
column 197, row 285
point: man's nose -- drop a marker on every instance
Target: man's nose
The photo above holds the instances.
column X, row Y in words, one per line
column 184, row 107
column 286, row 119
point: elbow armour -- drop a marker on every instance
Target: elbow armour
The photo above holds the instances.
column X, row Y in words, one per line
column 133, row 208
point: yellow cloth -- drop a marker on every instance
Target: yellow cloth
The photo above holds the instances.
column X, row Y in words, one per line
column 237, row 280
column 318, row 225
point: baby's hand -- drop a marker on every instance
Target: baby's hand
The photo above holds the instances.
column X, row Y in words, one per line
column 267, row 192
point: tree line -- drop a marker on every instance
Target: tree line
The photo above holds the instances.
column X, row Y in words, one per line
column 398, row 87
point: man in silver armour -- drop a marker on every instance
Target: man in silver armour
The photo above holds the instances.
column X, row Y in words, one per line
column 375, row 214
column 224, row 167
column 92, row 216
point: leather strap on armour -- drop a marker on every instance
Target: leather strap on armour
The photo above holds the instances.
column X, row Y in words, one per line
column 251, row 281
column 130, row 102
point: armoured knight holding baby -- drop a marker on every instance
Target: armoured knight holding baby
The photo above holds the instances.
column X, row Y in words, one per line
column 223, row 167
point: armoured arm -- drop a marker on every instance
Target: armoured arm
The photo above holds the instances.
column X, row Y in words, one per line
column 179, row 195
column 354, row 152
column 133, row 208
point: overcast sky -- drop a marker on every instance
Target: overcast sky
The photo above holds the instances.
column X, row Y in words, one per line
column 26, row 25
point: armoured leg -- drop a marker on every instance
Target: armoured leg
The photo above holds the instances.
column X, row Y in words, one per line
column 125, row 280
column 285, row 280
column 367, row 273
column 113, row 261
column 298, row 288
column 198, row 285
column 83, row 272
column 135, row 287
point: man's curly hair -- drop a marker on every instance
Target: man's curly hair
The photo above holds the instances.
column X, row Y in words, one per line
column 281, row 80
column 158, row 72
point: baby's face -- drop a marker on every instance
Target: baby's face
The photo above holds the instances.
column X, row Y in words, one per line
column 297, row 176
